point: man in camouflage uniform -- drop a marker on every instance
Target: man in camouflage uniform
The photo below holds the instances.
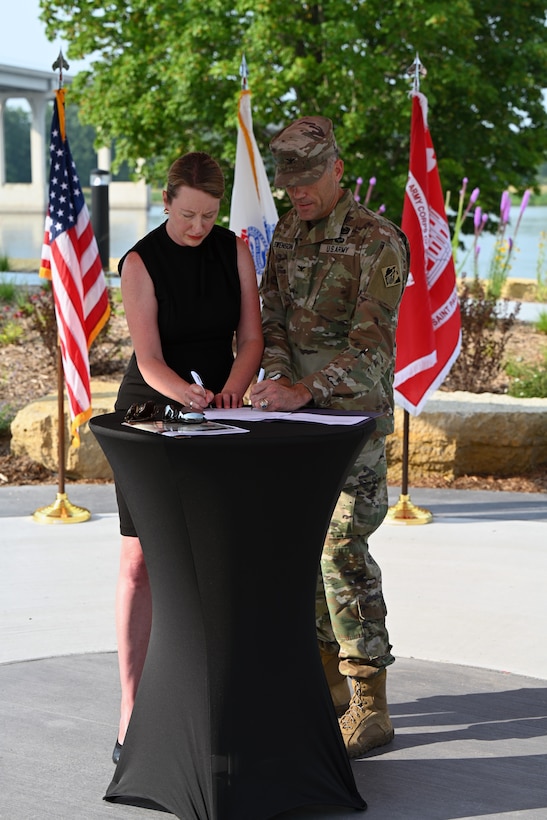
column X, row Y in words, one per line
column 331, row 292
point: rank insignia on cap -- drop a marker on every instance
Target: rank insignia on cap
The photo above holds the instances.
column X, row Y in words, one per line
column 391, row 276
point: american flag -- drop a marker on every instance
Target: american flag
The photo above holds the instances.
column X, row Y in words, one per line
column 429, row 326
column 71, row 260
column 253, row 215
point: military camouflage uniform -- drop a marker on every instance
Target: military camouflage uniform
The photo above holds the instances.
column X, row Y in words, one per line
column 331, row 294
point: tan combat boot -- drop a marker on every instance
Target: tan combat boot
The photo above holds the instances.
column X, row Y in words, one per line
column 338, row 684
column 367, row 724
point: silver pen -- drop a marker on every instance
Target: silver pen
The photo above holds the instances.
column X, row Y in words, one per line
column 197, row 378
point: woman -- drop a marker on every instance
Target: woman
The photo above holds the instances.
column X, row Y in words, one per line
column 187, row 287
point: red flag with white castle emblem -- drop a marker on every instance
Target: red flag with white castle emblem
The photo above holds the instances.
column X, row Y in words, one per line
column 429, row 326
column 253, row 214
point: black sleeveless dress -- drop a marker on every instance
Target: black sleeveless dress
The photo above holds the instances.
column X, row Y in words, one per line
column 199, row 301
column 199, row 298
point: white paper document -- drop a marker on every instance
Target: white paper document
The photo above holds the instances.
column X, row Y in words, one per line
column 333, row 417
column 179, row 429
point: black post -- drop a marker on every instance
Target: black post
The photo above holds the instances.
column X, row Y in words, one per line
column 99, row 181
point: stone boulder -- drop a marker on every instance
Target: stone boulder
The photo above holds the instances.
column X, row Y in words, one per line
column 471, row 433
column 455, row 434
column 35, row 434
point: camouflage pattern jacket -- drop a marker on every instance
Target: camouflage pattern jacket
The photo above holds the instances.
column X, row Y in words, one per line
column 331, row 294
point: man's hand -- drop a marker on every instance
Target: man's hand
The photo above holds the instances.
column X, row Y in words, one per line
column 271, row 395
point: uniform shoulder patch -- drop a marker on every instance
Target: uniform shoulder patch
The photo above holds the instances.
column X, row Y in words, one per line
column 392, row 276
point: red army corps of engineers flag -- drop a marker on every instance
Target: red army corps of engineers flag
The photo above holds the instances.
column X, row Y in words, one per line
column 71, row 259
column 429, row 327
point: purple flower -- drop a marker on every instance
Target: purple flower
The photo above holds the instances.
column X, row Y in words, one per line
column 525, row 200
column 505, row 207
column 477, row 218
column 523, row 204
column 371, row 184
column 472, row 199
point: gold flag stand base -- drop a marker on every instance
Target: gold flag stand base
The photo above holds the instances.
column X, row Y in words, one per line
column 61, row 512
column 405, row 512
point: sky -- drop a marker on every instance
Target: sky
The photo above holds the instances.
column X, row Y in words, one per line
column 24, row 43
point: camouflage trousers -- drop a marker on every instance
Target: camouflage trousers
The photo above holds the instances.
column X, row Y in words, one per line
column 350, row 608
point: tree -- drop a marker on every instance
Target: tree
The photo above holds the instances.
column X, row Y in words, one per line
column 17, row 144
column 17, row 124
column 165, row 79
column 81, row 139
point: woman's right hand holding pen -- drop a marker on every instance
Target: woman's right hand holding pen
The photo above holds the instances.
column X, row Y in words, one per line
column 198, row 396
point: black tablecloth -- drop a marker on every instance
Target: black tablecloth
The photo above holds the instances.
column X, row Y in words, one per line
column 233, row 718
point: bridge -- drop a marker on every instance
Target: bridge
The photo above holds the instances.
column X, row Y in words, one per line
column 38, row 87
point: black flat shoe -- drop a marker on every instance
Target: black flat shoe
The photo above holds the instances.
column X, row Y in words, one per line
column 116, row 752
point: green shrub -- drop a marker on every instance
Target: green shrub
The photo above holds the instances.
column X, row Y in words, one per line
column 7, row 414
column 486, row 324
column 11, row 332
column 41, row 312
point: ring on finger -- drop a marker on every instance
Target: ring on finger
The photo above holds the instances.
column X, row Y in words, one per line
column 264, row 403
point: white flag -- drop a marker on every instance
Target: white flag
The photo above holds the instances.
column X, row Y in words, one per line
column 253, row 215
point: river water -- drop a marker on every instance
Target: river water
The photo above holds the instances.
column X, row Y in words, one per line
column 526, row 257
column 21, row 238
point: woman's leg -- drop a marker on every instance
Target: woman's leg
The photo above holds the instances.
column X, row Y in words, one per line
column 133, row 621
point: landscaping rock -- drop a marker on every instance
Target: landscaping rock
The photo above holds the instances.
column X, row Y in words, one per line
column 471, row 433
column 456, row 434
column 35, row 434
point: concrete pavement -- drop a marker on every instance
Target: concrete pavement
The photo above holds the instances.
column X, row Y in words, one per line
column 468, row 692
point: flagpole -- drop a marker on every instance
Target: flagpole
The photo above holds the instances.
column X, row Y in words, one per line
column 243, row 73
column 253, row 214
column 61, row 511
column 404, row 511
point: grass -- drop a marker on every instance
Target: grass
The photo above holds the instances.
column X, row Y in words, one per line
column 528, row 382
column 8, row 290
column 541, row 323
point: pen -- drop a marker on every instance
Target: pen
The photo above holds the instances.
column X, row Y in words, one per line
column 197, row 378
column 261, row 374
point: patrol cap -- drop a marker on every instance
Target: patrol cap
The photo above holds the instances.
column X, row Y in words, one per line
column 301, row 151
